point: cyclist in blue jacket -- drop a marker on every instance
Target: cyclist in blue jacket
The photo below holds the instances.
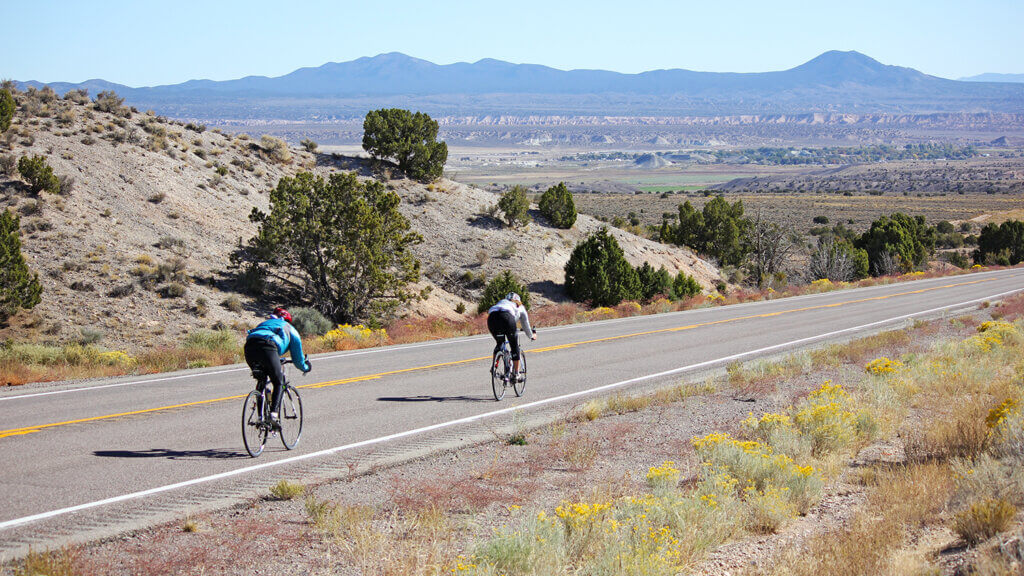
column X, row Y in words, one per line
column 265, row 345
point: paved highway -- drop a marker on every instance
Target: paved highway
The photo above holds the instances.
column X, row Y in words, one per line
column 87, row 457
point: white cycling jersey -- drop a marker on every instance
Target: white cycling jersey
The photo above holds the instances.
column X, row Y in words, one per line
column 517, row 312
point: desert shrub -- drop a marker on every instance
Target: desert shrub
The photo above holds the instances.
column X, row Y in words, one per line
column 597, row 272
column 38, row 174
column 276, row 149
column 108, row 101
column 557, row 205
column 498, row 287
column 409, row 139
column 212, row 340
column 983, row 520
column 516, row 206
column 460, row 308
column 309, row 321
column 66, row 184
column 7, row 107
column 233, row 303
column 19, row 286
column 8, row 165
column 122, row 290
column 195, row 127
column 173, row 290
column 80, row 96
column 309, row 145
column 757, row 469
column 684, row 286
column 89, row 336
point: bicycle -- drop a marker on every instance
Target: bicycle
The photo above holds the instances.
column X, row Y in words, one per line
column 501, row 366
column 257, row 425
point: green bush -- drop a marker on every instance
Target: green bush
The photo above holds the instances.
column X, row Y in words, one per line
column 1001, row 244
column 516, row 206
column 597, row 272
column 897, row 240
column 410, row 140
column 309, row 321
column 719, row 230
column 653, row 282
column 498, row 287
column 19, row 286
column 557, row 205
column 38, row 174
column 7, row 107
column 684, row 286
column 309, row 145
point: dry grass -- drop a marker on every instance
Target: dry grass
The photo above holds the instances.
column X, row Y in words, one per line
column 285, row 490
column 983, row 520
column 913, row 495
column 902, row 498
column 960, row 433
column 859, row 351
column 62, row 562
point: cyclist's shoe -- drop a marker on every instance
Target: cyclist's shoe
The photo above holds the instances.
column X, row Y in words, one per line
column 521, row 377
column 275, row 422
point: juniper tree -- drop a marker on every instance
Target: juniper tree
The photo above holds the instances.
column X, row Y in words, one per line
column 340, row 244
column 516, row 206
column 408, row 139
column 597, row 272
column 498, row 287
column 557, row 205
column 7, row 107
column 19, row 286
column 38, row 174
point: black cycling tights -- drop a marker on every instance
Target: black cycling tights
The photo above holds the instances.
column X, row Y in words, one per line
column 262, row 354
column 504, row 324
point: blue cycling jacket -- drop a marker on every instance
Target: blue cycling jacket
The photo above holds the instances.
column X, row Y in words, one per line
column 284, row 335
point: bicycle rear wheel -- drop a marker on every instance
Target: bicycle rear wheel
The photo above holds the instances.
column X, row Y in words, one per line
column 499, row 375
column 291, row 417
column 254, row 432
column 518, row 386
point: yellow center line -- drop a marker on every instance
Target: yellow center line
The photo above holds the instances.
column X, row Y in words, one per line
column 31, row 429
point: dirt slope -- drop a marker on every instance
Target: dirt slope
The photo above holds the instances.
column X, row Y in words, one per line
column 148, row 192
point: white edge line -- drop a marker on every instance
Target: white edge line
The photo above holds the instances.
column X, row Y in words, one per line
column 42, row 516
column 474, row 338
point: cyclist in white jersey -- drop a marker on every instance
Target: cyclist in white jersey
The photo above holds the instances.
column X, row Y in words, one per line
column 501, row 321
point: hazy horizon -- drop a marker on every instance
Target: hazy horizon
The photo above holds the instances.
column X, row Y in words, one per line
column 158, row 43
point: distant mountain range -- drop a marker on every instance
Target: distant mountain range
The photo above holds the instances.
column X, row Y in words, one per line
column 990, row 77
column 834, row 82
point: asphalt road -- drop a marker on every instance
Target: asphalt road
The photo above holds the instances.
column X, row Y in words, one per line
column 120, row 443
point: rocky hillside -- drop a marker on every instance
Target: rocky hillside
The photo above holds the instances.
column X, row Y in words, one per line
column 135, row 250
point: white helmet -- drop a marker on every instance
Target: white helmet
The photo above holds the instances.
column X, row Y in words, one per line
column 513, row 297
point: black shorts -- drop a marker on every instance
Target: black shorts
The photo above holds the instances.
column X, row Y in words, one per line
column 503, row 325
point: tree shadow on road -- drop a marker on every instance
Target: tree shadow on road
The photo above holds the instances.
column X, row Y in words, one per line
column 172, row 454
column 426, row 398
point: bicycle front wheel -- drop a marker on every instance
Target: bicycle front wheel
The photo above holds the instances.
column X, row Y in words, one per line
column 499, row 375
column 254, row 432
column 520, row 386
column 291, row 417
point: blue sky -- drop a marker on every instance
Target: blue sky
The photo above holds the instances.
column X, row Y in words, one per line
column 150, row 42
